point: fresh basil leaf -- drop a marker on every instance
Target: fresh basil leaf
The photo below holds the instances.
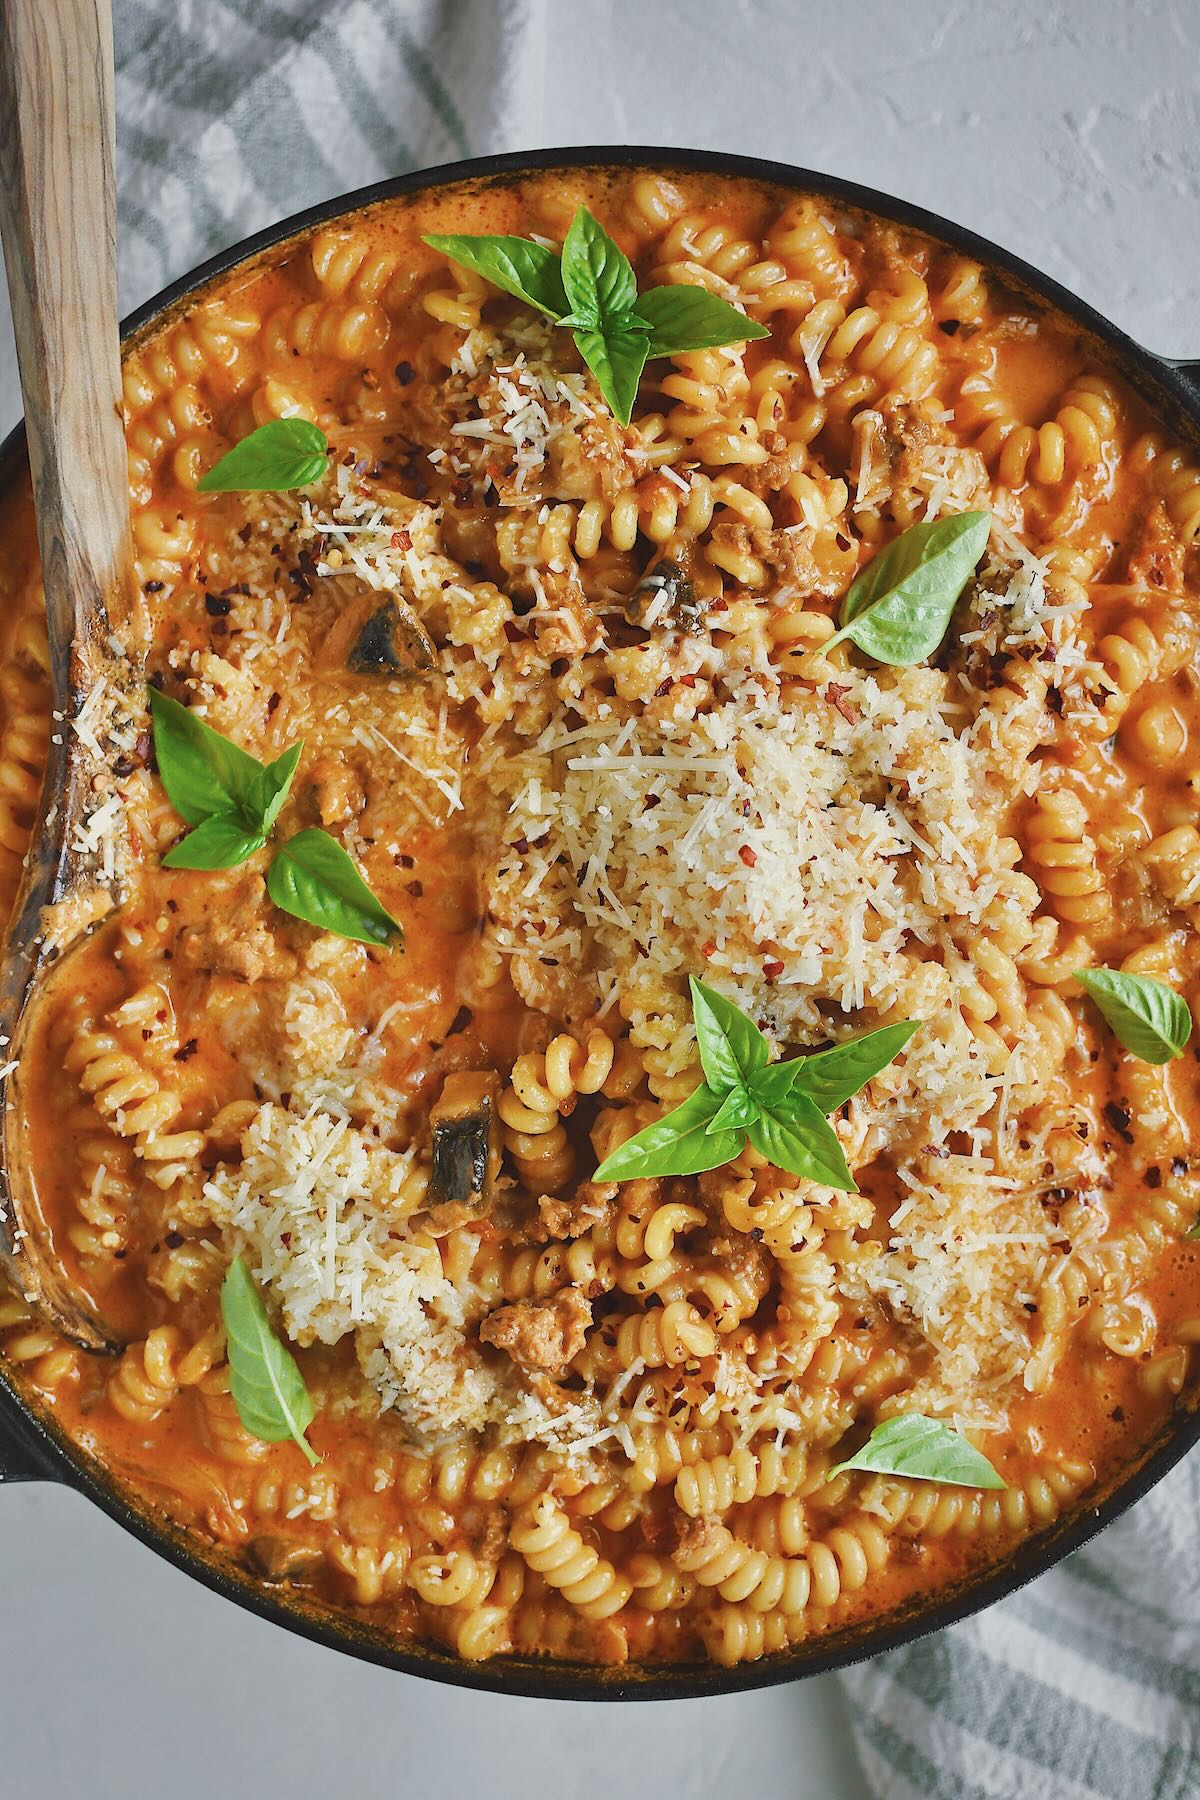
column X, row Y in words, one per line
column 592, row 291
column 899, row 609
column 772, row 1087
column 1193, row 1231
column 271, row 787
column 923, row 1450
column 679, row 1144
column 267, row 1386
column 283, row 453
column 619, row 322
column 690, row 318
column 515, row 265
column 203, row 771
column 597, row 275
column 313, row 879
column 220, row 842
column 1151, row 1020
column 797, row 1136
column 617, row 361
column 830, row 1077
column 735, row 1112
column 731, row 1045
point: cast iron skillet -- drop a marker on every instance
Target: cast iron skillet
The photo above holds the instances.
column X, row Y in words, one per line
column 33, row 1447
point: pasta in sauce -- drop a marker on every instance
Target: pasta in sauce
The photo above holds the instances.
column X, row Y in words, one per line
column 597, row 1420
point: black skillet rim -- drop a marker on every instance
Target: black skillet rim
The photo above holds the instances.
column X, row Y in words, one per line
column 38, row 1450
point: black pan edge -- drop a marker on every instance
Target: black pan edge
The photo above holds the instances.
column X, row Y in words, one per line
column 31, row 1443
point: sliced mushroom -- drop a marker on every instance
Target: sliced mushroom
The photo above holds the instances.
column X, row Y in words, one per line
column 377, row 634
column 282, row 1559
column 392, row 641
column 466, row 1147
column 665, row 595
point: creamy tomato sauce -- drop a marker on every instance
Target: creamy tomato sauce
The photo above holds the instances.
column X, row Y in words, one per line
column 560, row 1416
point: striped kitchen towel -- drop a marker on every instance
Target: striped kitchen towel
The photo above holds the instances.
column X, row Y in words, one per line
column 1085, row 1684
column 232, row 113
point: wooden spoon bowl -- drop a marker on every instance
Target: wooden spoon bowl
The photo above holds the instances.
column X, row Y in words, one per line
column 58, row 222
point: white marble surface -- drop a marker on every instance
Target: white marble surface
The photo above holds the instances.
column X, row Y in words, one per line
column 1069, row 132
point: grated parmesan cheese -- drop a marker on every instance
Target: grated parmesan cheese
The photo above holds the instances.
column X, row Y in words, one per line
column 319, row 1209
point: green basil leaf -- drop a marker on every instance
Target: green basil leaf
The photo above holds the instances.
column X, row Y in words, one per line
column 1193, row 1231
column 1149, row 1018
column 619, row 322
column 617, row 361
column 899, row 609
column 735, row 1112
column 313, row 879
column 772, row 1087
column 271, row 788
column 220, row 842
column 830, row 1077
column 679, row 1144
column 795, row 1135
column 690, row 318
column 515, row 265
column 203, row 771
column 283, row 453
column 267, row 1386
column 731, row 1045
column 923, row 1450
column 597, row 275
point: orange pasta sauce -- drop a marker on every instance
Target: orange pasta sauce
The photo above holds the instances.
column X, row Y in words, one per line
column 1017, row 1261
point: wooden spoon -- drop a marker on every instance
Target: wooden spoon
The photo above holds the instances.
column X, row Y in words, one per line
column 58, row 222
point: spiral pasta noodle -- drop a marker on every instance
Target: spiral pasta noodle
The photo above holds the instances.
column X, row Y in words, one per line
column 550, row 1545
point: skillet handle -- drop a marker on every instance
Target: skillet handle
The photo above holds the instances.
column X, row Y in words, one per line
column 1186, row 366
column 18, row 1458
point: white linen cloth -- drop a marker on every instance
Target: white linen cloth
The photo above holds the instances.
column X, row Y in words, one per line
column 234, row 113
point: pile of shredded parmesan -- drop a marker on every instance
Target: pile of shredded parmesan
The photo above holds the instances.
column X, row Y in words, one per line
column 319, row 1209
column 829, row 859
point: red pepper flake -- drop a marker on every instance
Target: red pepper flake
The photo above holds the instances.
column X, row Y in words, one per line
column 772, row 970
column 709, row 949
column 401, row 540
column 662, row 690
column 836, row 696
column 747, row 855
column 687, row 681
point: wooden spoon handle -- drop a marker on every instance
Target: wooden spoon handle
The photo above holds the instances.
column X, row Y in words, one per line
column 58, row 217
